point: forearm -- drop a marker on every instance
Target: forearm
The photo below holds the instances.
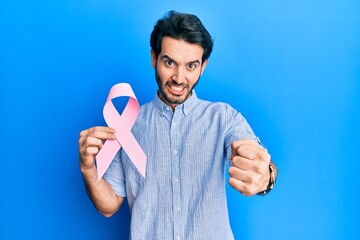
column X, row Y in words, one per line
column 100, row 192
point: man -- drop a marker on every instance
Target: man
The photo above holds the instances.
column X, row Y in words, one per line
column 187, row 141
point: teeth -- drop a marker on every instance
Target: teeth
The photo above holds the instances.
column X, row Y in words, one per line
column 179, row 89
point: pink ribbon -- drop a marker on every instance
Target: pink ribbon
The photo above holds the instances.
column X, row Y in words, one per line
column 122, row 124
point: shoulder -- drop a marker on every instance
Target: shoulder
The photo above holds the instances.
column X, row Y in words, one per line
column 217, row 107
column 146, row 107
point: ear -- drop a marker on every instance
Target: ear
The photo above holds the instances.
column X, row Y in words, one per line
column 153, row 58
column 203, row 66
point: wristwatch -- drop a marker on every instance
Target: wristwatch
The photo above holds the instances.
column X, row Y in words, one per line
column 271, row 182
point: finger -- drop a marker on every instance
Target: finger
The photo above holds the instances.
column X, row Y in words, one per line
column 253, row 152
column 238, row 173
column 87, row 156
column 258, row 165
column 88, row 151
column 249, row 176
column 87, row 141
column 96, row 138
column 83, row 132
column 242, row 163
column 239, row 143
column 244, row 188
column 104, row 135
column 97, row 128
column 92, row 150
column 247, row 151
column 104, row 129
column 91, row 146
column 91, row 141
column 245, row 141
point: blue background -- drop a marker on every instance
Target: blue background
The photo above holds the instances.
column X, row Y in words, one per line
column 291, row 67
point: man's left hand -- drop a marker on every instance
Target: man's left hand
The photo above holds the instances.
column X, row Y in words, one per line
column 249, row 173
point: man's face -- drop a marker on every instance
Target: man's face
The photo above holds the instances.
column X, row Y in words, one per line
column 178, row 69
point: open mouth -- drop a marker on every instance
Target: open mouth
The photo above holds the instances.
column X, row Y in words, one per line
column 176, row 90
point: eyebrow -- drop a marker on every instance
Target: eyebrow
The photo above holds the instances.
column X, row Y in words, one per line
column 169, row 58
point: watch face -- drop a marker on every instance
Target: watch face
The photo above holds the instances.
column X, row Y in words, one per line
column 272, row 177
column 271, row 182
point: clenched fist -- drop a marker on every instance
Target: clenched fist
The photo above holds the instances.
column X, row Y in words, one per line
column 249, row 172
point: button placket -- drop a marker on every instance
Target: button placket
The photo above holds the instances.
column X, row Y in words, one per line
column 176, row 184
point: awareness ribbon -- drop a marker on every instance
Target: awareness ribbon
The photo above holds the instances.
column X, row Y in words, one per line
column 122, row 124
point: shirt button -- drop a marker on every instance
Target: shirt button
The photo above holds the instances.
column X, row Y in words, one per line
column 178, row 209
column 168, row 109
column 177, row 180
column 175, row 151
column 178, row 237
column 174, row 124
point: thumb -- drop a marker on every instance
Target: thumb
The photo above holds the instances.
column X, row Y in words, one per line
column 236, row 144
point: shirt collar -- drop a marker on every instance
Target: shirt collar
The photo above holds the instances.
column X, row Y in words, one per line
column 186, row 106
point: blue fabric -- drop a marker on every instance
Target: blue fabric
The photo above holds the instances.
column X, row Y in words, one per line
column 183, row 195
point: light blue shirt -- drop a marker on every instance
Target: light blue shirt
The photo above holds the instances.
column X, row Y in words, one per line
column 183, row 195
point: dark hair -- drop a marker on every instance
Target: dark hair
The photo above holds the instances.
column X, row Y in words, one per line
column 182, row 26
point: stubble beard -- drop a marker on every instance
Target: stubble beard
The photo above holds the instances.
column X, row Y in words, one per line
column 166, row 96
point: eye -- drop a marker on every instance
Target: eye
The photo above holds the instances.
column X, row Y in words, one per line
column 169, row 63
column 192, row 66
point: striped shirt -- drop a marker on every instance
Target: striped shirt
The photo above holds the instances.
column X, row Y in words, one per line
column 183, row 195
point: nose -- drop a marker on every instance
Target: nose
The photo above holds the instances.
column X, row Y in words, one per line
column 179, row 75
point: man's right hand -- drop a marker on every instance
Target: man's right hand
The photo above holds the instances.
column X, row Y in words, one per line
column 90, row 142
column 100, row 192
